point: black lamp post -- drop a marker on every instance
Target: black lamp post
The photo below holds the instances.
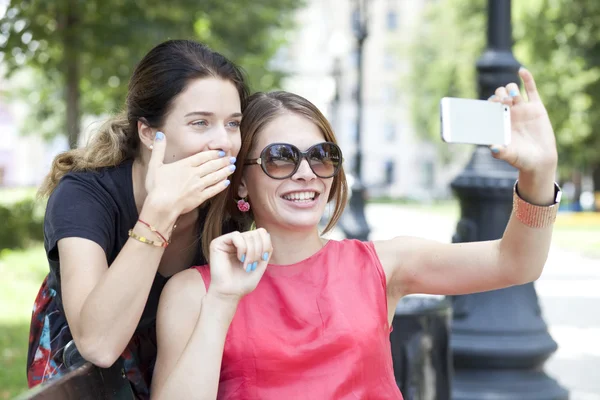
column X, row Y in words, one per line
column 353, row 221
column 499, row 339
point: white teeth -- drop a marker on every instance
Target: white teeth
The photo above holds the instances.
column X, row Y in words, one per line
column 302, row 196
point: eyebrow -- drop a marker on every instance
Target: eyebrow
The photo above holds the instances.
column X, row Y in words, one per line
column 209, row 114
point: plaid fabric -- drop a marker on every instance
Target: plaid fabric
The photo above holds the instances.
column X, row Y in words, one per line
column 49, row 334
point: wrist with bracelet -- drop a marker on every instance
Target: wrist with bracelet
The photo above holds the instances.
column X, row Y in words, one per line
column 535, row 216
column 163, row 242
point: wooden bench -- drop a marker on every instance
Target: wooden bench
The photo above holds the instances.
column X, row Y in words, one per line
column 84, row 382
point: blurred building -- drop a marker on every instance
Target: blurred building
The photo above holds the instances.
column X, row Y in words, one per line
column 396, row 162
column 24, row 159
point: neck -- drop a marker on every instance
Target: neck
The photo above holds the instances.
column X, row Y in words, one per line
column 292, row 246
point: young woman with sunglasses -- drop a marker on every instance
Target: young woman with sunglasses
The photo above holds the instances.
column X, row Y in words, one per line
column 282, row 313
column 109, row 228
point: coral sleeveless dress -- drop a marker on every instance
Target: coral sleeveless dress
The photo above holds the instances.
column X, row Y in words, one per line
column 317, row 330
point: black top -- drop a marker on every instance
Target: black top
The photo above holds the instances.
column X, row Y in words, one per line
column 99, row 206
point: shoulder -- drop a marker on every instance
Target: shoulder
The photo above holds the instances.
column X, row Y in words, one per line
column 354, row 248
column 185, row 287
column 109, row 182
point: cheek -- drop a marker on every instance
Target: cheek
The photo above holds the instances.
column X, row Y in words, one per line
column 236, row 143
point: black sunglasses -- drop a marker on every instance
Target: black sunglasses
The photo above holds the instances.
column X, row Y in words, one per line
column 282, row 160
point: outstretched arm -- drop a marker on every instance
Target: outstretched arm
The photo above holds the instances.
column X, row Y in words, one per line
column 420, row 266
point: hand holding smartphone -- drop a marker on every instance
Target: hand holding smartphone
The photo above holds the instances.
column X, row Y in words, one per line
column 477, row 122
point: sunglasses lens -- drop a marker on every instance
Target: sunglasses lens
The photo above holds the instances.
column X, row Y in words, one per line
column 279, row 161
column 325, row 159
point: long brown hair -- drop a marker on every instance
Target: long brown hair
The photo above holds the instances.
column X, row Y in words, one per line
column 263, row 108
column 159, row 77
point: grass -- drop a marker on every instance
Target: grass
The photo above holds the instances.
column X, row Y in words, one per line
column 12, row 195
column 22, row 273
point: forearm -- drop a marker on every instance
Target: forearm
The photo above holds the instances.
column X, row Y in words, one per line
column 112, row 310
column 191, row 378
column 524, row 249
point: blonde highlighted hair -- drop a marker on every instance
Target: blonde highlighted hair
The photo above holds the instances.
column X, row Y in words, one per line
column 263, row 108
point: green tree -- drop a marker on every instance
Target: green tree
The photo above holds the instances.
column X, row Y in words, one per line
column 558, row 40
column 81, row 53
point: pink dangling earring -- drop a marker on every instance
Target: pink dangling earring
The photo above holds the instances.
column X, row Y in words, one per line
column 243, row 205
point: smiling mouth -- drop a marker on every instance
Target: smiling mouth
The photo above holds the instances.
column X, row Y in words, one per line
column 301, row 197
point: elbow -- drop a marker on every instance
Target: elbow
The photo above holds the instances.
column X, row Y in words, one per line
column 94, row 351
column 523, row 274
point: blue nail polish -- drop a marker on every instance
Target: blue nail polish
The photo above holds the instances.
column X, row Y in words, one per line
column 159, row 135
column 513, row 93
column 227, row 182
column 254, row 265
column 491, row 97
column 495, row 150
column 248, row 267
column 221, row 153
column 265, row 256
column 232, row 160
column 243, row 258
column 232, row 168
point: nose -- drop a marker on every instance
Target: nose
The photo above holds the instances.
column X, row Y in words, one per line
column 304, row 172
column 220, row 140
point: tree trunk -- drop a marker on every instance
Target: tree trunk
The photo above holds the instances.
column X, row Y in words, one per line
column 71, row 60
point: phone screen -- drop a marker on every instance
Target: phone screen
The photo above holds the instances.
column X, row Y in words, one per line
column 474, row 121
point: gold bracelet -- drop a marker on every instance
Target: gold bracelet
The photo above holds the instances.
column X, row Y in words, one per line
column 536, row 216
column 142, row 239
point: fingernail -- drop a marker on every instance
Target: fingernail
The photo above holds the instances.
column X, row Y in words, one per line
column 232, row 168
column 248, row 267
column 232, row 160
column 265, row 256
column 254, row 265
column 221, row 153
column 495, row 150
column 159, row 135
column 491, row 97
column 513, row 93
column 227, row 182
column 243, row 258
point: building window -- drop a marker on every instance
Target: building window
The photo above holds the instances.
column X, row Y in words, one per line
column 391, row 20
column 389, row 172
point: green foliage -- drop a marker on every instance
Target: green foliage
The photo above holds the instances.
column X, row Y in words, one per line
column 105, row 39
column 558, row 40
column 22, row 274
column 22, row 224
column 448, row 43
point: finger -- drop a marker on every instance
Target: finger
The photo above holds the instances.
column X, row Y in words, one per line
column 254, row 249
column 212, row 191
column 215, row 177
column 204, row 156
column 529, row 83
column 505, row 153
column 237, row 239
column 267, row 247
column 158, row 151
column 514, row 93
column 502, row 96
column 215, row 165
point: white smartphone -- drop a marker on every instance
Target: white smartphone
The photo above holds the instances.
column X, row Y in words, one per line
column 474, row 121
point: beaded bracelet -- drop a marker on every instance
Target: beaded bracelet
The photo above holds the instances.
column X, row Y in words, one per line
column 536, row 216
column 143, row 239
